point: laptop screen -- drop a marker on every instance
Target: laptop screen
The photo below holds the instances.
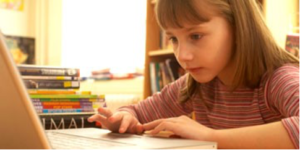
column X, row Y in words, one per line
column 20, row 126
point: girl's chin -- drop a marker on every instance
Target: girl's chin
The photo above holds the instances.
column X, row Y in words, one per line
column 203, row 79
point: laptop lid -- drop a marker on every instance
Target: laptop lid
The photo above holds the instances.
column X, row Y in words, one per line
column 20, row 126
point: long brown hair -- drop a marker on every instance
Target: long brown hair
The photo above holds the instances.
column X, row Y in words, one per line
column 255, row 50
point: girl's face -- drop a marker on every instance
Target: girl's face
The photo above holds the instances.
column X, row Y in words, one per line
column 204, row 50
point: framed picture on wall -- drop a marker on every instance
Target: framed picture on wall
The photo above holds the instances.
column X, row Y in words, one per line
column 12, row 4
column 22, row 49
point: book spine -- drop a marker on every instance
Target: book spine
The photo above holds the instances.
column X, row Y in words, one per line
column 152, row 77
column 61, row 110
column 65, row 96
column 51, row 92
column 48, row 71
column 63, row 121
column 46, row 84
column 72, row 78
column 34, row 92
column 61, row 105
column 158, row 77
column 292, row 44
column 67, row 99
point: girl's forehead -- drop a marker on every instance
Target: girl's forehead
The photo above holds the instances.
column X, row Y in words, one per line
column 180, row 13
column 212, row 24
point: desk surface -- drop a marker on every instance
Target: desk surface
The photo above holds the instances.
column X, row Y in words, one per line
column 106, row 87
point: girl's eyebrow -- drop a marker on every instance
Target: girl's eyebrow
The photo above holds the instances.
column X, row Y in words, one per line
column 187, row 29
column 192, row 28
column 168, row 33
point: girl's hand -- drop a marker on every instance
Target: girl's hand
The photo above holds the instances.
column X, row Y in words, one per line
column 182, row 126
column 117, row 122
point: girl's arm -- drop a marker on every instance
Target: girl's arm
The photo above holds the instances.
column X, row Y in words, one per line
column 282, row 97
column 272, row 135
column 161, row 105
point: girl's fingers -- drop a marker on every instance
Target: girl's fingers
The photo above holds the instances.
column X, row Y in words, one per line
column 104, row 111
column 152, row 125
column 118, row 121
column 97, row 117
column 135, row 128
column 127, row 119
column 115, row 117
column 139, row 128
column 163, row 127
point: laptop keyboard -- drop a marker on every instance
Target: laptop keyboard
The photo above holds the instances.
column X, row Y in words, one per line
column 65, row 141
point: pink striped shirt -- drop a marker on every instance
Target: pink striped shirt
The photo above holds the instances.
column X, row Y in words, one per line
column 277, row 98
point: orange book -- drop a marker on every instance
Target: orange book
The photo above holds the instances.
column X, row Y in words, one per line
column 60, row 103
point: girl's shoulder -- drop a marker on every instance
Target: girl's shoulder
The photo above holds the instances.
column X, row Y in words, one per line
column 287, row 70
column 284, row 75
column 282, row 87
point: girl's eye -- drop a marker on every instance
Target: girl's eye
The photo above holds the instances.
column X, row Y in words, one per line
column 173, row 40
column 196, row 36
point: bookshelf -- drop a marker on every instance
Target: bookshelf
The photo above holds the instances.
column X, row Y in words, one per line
column 154, row 52
column 160, row 53
column 152, row 44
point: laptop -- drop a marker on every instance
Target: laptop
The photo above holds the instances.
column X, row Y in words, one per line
column 20, row 126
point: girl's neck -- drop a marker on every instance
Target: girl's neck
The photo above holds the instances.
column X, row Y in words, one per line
column 226, row 76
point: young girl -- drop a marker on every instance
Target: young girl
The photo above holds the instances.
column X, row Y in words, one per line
column 242, row 87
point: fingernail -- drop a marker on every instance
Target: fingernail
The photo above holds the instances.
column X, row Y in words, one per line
column 111, row 119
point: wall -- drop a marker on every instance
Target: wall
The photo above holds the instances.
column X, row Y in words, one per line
column 21, row 23
column 280, row 16
column 48, row 32
column 40, row 19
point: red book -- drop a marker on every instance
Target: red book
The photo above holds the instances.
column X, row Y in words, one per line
column 292, row 44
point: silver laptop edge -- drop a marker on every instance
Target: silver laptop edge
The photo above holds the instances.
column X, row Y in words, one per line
column 22, row 130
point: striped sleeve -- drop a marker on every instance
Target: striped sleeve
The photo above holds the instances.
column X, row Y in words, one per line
column 283, row 97
column 161, row 105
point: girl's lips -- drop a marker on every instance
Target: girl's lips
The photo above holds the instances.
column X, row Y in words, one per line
column 194, row 69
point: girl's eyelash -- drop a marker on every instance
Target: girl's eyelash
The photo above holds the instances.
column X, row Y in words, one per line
column 192, row 36
column 170, row 38
column 196, row 36
column 173, row 39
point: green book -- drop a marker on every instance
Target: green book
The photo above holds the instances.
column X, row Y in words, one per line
column 69, row 96
column 67, row 99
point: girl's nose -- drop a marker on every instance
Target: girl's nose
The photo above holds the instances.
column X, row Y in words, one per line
column 184, row 53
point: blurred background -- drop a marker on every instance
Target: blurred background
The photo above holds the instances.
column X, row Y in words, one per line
column 104, row 35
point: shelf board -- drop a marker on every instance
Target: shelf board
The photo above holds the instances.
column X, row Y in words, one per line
column 161, row 52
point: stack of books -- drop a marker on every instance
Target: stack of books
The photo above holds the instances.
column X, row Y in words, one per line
column 71, row 102
column 56, row 96
column 56, row 90
column 43, row 77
